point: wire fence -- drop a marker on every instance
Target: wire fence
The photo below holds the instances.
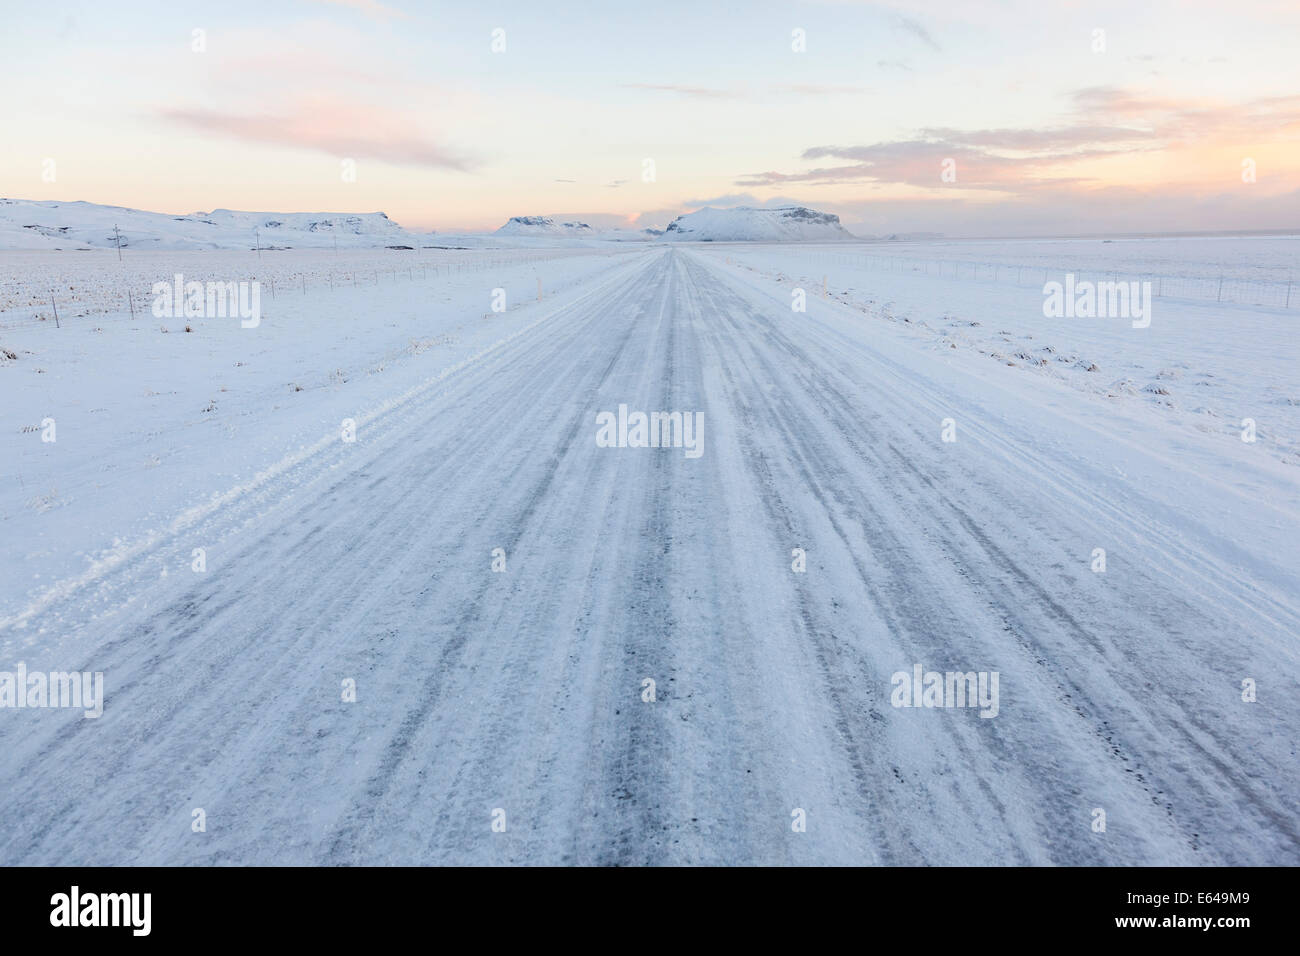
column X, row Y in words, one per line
column 1267, row 293
column 128, row 291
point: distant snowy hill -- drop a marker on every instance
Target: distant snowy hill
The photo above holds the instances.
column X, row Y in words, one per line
column 630, row 235
column 545, row 226
column 33, row 224
column 29, row 224
column 748, row 224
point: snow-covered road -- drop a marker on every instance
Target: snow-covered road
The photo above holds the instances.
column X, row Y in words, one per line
column 521, row 690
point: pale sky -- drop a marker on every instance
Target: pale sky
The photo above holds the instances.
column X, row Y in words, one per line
column 1046, row 134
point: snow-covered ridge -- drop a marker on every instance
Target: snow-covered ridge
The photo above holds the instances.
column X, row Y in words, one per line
column 544, row 226
column 749, row 224
column 47, row 225
column 31, row 224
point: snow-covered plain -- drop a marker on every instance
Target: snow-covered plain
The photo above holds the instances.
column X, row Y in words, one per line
column 161, row 419
column 1263, row 258
column 86, row 285
column 522, row 689
column 1202, row 365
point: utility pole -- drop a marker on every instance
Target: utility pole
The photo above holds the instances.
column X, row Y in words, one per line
column 258, row 239
column 117, row 238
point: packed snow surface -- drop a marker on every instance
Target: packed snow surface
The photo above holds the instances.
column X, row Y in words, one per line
column 497, row 586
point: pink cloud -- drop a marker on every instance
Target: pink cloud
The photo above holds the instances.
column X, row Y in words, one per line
column 343, row 131
column 1103, row 122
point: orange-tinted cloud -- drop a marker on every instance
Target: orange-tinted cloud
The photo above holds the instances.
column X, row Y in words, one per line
column 1112, row 137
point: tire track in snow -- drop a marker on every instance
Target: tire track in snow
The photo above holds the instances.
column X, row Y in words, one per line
column 994, row 574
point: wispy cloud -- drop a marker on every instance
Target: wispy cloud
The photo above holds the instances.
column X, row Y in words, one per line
column 1106, row 122
column 919, row 162
column 328, row 127
column 908, row 25
column 700, row 91
column 1190, row 120
column 789, row 89
column 1110, row 210
column 1059, row 141
column 805, row 89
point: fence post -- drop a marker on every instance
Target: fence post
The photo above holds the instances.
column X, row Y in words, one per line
column 1219, row 296
column 56, row 310
column 1288, row 293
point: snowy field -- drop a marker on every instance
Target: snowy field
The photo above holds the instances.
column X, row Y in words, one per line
column 162, row 420
column 1202, row 365
column 1265, row 258
column 1122, row 688
column 33, row 285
